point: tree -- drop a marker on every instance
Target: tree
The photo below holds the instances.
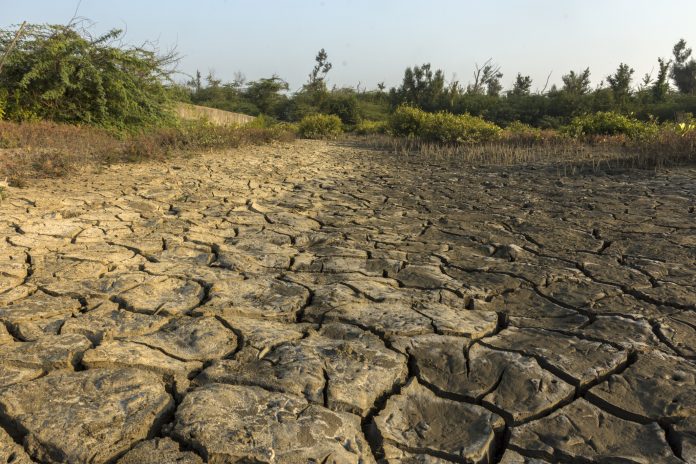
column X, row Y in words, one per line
column 486, row 79
column 661, row 86
column 321, row 69
column 620, row 83
column 522, row 86
column 422, row 87
column 63, row 73
column 196, row 82
column 493, row 86
column 577, row 83
column 683, row 71
column 265, row 94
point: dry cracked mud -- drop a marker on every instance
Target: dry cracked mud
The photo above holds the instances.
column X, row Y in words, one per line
column 321, row 303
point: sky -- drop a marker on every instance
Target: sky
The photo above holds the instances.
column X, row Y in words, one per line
column 371, row 41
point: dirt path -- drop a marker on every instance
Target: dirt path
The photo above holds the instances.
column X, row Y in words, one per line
column 316, row 303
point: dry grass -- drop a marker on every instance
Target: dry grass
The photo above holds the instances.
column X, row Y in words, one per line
column 44, row 149
column 667, row 148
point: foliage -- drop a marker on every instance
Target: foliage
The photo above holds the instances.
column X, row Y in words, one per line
column 441, row 127
column 608, row 123
column 522, row 132
column 371, row 127
column 450, row 128
column 407, row 121
column 344, row 105
column 320, row 126
column 62, row 73
column 422, row 87
column 684, row 69
column 577, row 83
column 266, row 94
column 620, row 83
column 522, row 86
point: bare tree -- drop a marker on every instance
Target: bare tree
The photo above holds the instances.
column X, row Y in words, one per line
column 486, row 77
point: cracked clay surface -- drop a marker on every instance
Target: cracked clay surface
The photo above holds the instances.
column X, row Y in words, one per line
column 319, row 303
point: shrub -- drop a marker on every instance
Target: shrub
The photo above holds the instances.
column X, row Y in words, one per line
column 61, row 73
column 343, row 105
column 441, row 127
column 407, row 121
column 523, row 134
column 320, row 126
column 371, row 127
column 609, row 123
column 464, row 128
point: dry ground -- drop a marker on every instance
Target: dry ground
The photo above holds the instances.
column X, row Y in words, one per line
column 314, row 302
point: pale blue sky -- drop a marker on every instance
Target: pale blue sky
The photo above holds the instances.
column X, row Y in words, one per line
column 372, row 41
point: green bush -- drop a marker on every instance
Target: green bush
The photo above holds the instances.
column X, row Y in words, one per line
column 441, row 127
column 371, row 127
column 609, row 123
column 464, row 128
column 407, row 121
column 520, row 132
column 61, row 73
column 343, row 105
column 320, row 126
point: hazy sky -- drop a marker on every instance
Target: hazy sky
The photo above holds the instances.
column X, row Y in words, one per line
column 370, row 41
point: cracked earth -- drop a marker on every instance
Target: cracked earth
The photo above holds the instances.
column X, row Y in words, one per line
column 318, row 303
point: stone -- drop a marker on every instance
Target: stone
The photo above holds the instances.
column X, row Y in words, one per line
column 257, row 297
column 510, row 383
column 263, row 426
column 88, row 416
column 679, row 329
column 511, row 457
column 108, row 322
column 48, row 353
column 656, row 387
column 159, row 451
column 574, row 359
column 123, row 354
column 416, row 419
column 39, row 315
column 11, row 452
column 629, row 334
column 163, row 295
column 526, row 308
column 342, row 367
column 264, row 334
column 192, row 339
column 581, row 431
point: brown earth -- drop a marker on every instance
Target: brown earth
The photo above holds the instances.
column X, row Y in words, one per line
column 316, row 302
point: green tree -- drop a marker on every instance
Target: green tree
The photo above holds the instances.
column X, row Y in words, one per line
column 64, row 74
column 660, row 87
column 683, row 69
column 522, row 86
column 421, row 87
column 620, row 83
column 266, row 94
column 318, row 75
column 577, row 83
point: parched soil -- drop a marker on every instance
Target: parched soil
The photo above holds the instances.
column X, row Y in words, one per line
column 316, row 302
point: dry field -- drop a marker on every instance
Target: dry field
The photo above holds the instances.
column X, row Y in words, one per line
column 318, row 302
